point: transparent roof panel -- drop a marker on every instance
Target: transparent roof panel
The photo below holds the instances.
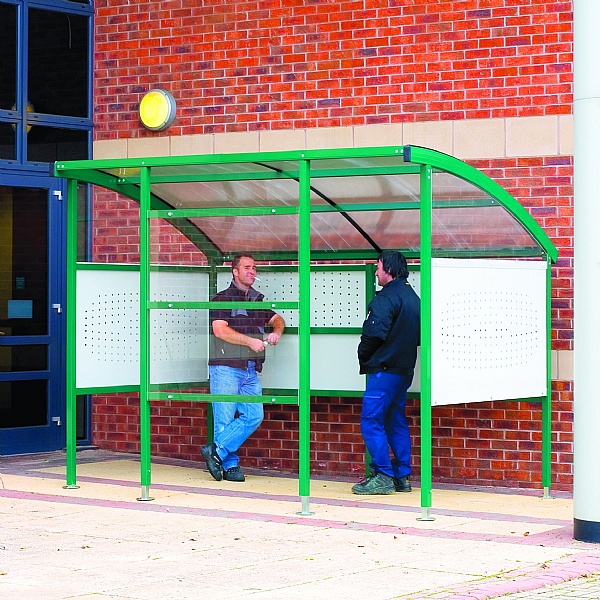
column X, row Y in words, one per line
column 268, row 233
column 362, row 199
column 228, row 194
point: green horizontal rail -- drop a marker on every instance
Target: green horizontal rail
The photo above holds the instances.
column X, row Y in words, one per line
column 313, row 392
column 272, row 174
column 250, row 211
column 195, row 397
column 223, row 305
column 107, row 389
column 207, row 177
column 228, row 211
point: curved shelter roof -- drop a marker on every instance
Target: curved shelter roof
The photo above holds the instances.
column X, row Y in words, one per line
column 362, row 200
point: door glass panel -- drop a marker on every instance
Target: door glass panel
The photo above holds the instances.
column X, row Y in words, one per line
column 23, row 403
column 23, row 358
column 58, row 63
column 23, row 261
column 8, row 147
column 49, row 144
column 8, row 56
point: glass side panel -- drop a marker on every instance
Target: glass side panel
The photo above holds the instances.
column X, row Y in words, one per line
column 23, row 403
column 8, row 56
column 23, row 261
column 58, row 64
column 485, row 228
column 8, row 144
column 23, row 358
column 114, row 240
column 473, row 219
column 183, row 340
column 49, row 144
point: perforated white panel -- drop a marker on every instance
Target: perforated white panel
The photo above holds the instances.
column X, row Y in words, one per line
column 108, row 328
column 334, row 364
column 488, row 330
column 414, row 278
column 337, row 296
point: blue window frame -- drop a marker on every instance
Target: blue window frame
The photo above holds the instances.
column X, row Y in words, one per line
column 46, row 62
column 46, row 88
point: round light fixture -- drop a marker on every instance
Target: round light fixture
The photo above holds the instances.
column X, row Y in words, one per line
column 157, row 110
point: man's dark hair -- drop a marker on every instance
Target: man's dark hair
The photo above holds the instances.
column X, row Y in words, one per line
column 236, row 259
column 394, row 263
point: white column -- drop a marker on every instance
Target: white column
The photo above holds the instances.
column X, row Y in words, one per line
column 587, row 270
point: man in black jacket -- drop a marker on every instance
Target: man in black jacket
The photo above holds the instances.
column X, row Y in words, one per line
column 387, row 353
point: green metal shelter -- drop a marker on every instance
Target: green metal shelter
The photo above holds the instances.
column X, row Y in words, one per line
column 313, row 218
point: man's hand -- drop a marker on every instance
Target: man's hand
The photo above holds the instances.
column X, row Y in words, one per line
column 256, row 345
column 273, row 338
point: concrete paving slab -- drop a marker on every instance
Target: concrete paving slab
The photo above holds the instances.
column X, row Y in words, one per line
column 217, row 540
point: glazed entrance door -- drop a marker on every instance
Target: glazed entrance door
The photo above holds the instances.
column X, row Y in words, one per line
column 31, row 315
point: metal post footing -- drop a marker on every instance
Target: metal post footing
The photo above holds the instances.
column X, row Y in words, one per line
column 145, row 497
column 70, row 487
column 425, row 516
column 547, row 495
column 305, row 507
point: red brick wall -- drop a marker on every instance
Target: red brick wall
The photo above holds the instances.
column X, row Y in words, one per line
column 288, row 64
column 281, row 64
column 489, row 443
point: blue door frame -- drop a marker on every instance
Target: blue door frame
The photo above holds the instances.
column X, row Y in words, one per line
column 48, row 435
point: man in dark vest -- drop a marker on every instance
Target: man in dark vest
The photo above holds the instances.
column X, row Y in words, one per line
column 237, row 353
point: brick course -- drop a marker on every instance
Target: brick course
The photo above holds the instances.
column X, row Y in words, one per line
column 259, row 65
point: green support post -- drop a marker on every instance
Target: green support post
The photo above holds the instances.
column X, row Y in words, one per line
column 426, row 220
column 547, row 400
column 370, row 282
column 210, row 419
column 145, row 460
column 71, row 335
column 304, row 337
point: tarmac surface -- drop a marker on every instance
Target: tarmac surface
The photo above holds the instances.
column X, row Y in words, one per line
column 203, row 539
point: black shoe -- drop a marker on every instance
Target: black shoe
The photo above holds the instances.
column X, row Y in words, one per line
column 233, row 474
column 402, row 484
column 213, row 461
column 379, row 484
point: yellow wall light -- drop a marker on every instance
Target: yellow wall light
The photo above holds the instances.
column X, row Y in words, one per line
column 157, row 110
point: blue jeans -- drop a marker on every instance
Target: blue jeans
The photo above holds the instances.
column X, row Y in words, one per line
column 383, row 423
column 231, row 432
